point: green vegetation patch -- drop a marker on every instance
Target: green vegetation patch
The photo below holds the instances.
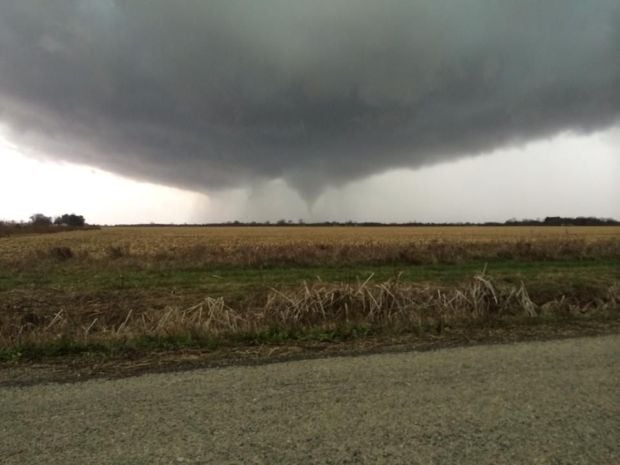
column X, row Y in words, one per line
column 224, row 279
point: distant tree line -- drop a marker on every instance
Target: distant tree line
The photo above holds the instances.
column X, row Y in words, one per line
column 40, row 223
column 565, row 221
column 68, row 219
column 548, row 221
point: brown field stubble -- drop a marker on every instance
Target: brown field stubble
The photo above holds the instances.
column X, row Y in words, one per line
column 265, row 246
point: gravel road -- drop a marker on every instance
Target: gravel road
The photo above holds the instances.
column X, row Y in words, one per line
column 552, row 402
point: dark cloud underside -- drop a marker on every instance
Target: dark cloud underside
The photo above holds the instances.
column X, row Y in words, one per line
column 215, row 94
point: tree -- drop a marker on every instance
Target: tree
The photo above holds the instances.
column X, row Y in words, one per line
column 39, row 219
column 70, row 219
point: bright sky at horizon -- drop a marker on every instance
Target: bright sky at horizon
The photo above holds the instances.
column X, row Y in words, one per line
column 568, row 175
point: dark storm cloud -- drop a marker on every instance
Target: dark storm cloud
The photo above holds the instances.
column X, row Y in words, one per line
column 215, row 94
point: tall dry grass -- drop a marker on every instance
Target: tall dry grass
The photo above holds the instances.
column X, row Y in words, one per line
column 391, row 306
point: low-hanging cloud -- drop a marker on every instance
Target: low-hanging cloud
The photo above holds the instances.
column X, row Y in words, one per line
column 218, row 94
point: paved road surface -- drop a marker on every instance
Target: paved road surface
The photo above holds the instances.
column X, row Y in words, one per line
column 532, row 403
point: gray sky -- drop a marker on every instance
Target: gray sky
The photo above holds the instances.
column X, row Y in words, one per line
column 339, row 109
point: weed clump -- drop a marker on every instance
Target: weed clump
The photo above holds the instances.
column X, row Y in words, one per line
column 115, row 252
column 61, row 253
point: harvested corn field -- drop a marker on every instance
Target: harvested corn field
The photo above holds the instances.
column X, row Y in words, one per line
column 260, row 246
